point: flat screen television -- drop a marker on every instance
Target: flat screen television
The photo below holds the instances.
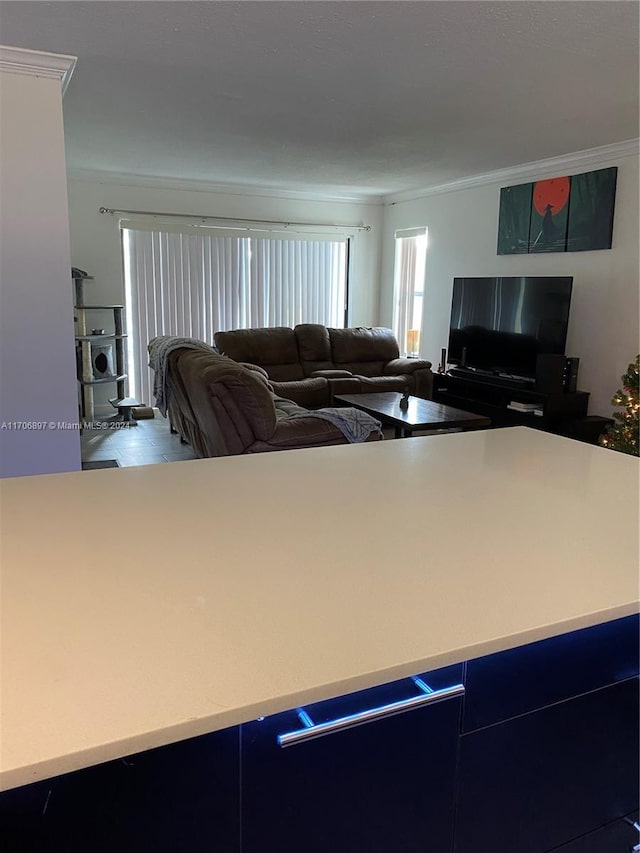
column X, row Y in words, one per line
column 500, row 325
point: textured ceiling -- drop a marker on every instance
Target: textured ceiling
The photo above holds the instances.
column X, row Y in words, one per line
column 339, row 97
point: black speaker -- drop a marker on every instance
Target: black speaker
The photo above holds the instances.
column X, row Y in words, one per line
column 570, row 381
column 550, row 371
column 556, row 374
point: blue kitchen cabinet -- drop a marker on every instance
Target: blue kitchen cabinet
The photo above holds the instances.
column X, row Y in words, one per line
column 549, row 746
column 538, row 752
column 621, row 836
column 387, row 785
column 180, row 798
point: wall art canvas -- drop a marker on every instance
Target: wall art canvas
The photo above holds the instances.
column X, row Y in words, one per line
column 515, row 219
column 564, row 214
column 549, row 209
column 593, row 196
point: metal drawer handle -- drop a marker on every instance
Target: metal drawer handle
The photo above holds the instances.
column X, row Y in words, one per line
column 635, row 825
column 311, row 730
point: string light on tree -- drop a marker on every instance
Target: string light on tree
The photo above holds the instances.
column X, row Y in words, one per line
column 623, row 435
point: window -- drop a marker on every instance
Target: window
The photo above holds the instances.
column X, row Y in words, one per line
column 197, row 281
column 408, row 285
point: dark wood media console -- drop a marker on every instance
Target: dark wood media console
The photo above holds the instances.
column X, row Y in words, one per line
column 560, row 413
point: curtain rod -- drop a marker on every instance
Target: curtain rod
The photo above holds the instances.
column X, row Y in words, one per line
column 110, row 211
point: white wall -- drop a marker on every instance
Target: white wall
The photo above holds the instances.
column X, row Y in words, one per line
column 95, row 238
column 37, row 357
column 603, row 324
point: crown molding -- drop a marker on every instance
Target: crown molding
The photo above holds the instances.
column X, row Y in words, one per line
column 536, row 170
column 527, row 171
column 157, row 182
column 37, row 63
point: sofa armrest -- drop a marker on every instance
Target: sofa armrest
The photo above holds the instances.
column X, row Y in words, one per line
column 404, row 365
column 332, row 374
column 259, row 372
column 311, row 392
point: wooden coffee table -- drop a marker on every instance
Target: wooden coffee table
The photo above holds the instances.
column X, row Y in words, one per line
column 420, row 414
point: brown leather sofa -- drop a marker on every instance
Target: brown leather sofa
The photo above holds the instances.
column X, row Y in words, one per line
column 223, row 408
column 310, row 363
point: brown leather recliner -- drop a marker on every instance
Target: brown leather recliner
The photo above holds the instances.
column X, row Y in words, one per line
column 223, row 408
column 312, row 362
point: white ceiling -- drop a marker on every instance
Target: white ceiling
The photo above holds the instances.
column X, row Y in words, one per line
column 336, row 97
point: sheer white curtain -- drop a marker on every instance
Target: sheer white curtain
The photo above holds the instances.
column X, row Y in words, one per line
column 404, row 277
column 194, row 284
column 408, row 282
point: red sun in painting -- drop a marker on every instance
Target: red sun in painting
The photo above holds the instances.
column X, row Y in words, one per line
column 551, row 194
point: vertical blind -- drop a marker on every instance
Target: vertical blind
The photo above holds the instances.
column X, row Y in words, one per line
column 195, row 284
column 297, row 281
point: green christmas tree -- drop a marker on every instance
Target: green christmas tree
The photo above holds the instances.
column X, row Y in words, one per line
column 623, row 435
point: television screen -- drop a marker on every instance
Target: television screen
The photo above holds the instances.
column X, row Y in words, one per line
column 500, row 325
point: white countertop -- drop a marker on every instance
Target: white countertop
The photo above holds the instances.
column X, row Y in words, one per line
column 145, row 605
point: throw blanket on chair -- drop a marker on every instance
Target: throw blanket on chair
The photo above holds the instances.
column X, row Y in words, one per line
column 355, row 425
column 159, row 349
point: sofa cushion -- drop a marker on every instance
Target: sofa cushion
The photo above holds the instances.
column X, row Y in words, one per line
column 274, row 349
column 334, row 373
column 349, row 346
column 285, row 372
column 301, row 432
column 344, row 385
column 373, row 384
column 314, row 347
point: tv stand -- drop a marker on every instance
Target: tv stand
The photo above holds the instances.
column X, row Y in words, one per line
column 503, row 379
column 499, row 398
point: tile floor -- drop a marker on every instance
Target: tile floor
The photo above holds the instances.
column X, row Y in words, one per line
column 142, row 443
column 145, row 442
